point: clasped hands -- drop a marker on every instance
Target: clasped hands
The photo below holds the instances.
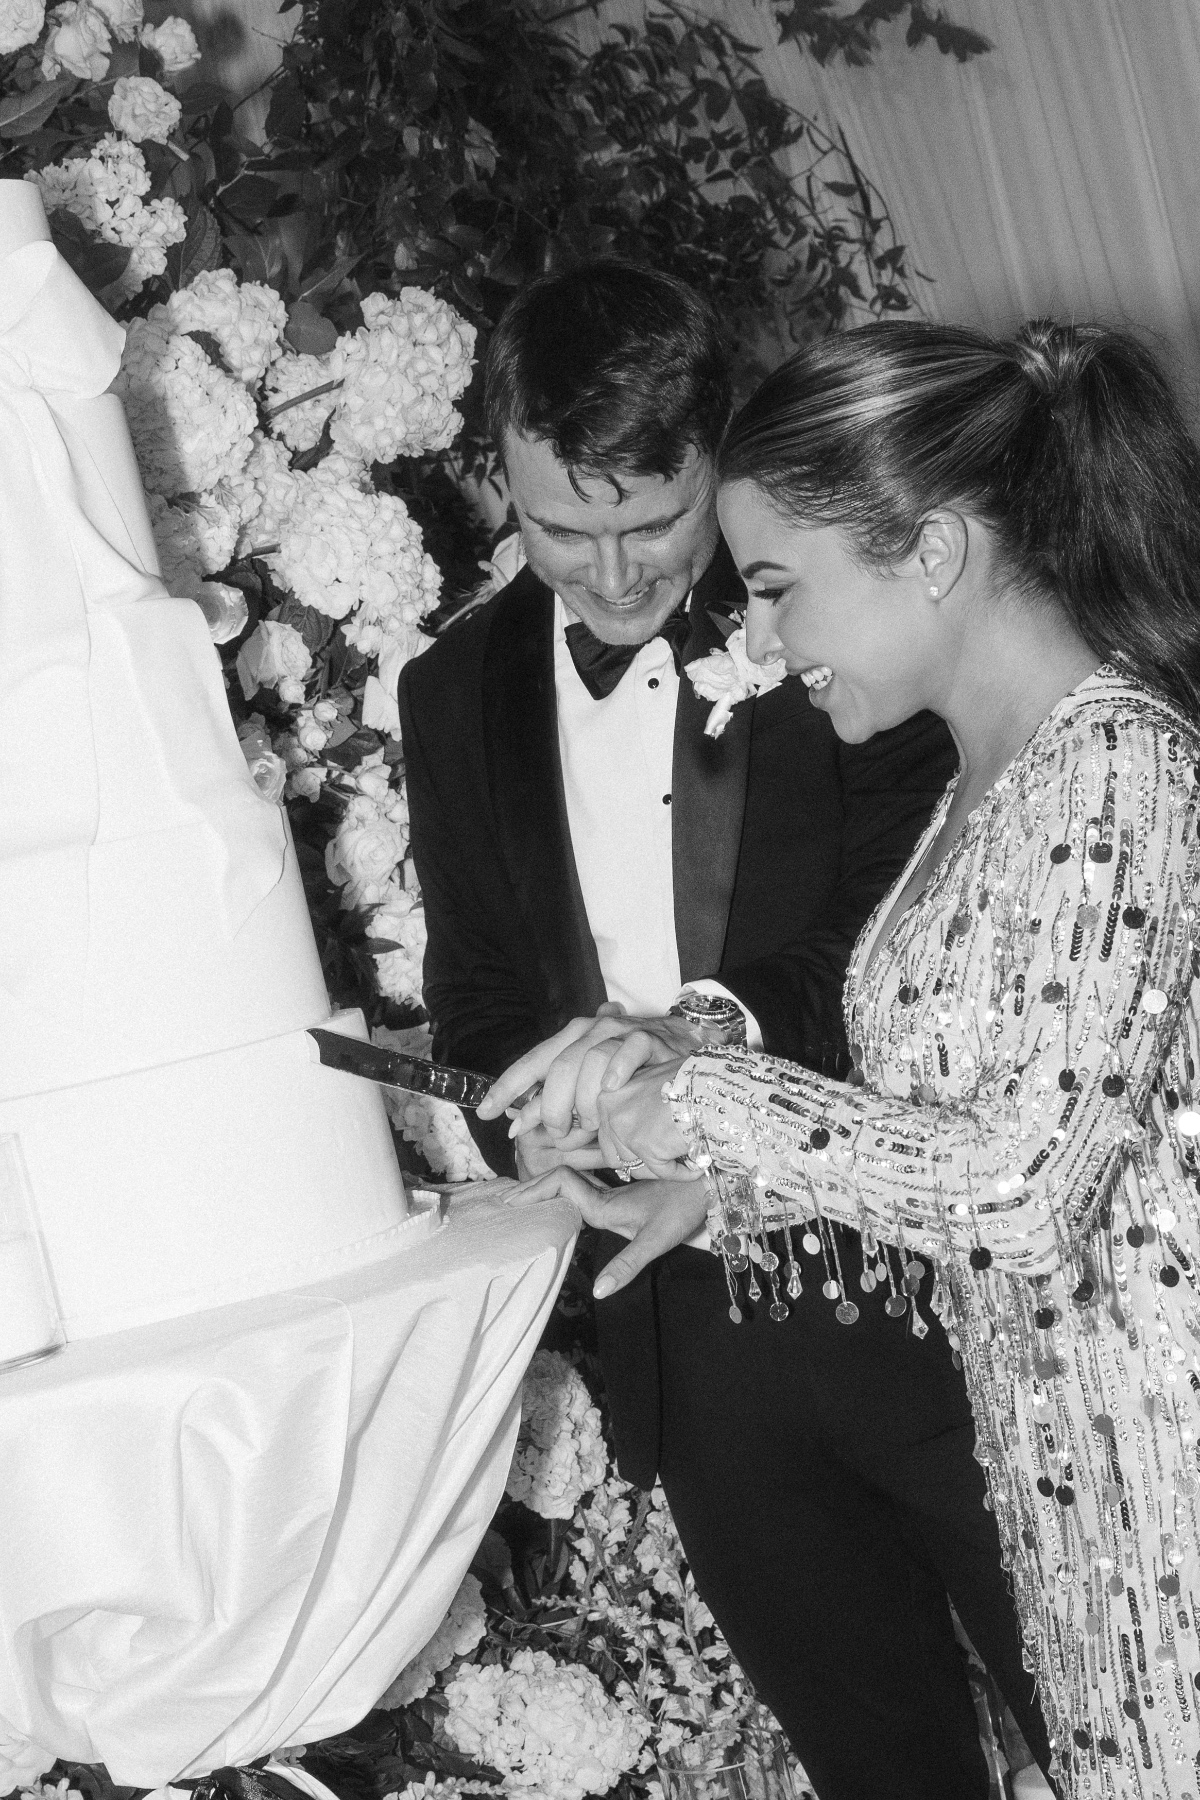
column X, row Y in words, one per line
column 600, row 1105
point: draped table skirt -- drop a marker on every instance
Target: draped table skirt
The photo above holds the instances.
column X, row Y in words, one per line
column 228, row 1532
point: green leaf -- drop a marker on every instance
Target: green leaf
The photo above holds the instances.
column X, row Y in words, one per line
column 307, row 331
column 96, row 263
column 288, row 110
column 202, row 97
column 251, row 197
column 21, row 114
column 211, row 348
column 200, row 249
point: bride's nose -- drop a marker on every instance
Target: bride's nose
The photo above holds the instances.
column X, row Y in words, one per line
column 762, row 640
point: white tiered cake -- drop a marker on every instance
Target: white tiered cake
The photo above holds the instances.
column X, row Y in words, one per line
column 157, row 965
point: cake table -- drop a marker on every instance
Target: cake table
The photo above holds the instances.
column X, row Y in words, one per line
column 227, row 1532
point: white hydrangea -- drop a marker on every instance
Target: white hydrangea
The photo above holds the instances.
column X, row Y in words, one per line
column 78, row 42
column 141, row 107
column 560, row 1453
column 401, row 371
column 546, row 1726
column 265, row 490
column 174, row 42
column 191, row 424
column 124, row 17
column 299, row 426
column 457, row 1635
column 341, row 549
column 20, row 23
column 246, row 318
column 104, row 190
column 194, row 539
column 275, row 655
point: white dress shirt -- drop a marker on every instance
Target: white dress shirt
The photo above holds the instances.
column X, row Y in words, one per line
column 616, row 764
column 616, row 756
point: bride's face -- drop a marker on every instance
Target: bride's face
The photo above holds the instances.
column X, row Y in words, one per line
column 858, row 639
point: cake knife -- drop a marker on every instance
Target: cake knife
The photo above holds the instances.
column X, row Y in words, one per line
column 415, row 1074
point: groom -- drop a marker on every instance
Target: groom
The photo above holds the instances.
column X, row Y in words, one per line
column 578, row 839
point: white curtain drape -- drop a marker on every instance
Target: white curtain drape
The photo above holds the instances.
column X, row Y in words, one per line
column 1056, row 175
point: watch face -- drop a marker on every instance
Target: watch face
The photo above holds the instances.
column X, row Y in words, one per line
column 711, row 1006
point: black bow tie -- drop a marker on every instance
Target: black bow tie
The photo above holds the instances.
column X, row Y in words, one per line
column 600, row 666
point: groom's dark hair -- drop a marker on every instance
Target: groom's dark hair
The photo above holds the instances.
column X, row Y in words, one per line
column 616, row 367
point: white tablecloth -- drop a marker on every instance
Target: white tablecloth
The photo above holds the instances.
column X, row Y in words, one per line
column 229, row 1532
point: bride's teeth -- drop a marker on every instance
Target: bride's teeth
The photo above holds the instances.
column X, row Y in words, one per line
column 816, row 678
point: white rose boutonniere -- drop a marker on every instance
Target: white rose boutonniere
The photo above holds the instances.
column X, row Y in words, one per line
column 728, row 676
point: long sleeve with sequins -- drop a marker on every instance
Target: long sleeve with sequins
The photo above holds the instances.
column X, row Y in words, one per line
column 1008, row 1032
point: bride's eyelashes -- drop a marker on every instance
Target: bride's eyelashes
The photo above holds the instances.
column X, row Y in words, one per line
column 768, row 594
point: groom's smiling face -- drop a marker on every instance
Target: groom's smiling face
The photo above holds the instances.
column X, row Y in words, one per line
column 621, row 553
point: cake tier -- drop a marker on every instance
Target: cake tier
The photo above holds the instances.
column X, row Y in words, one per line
column 209, row 1180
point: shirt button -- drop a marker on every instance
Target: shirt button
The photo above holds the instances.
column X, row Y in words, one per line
column 666, row 799
column 653, row 681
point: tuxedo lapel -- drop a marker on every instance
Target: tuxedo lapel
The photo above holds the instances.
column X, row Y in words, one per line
column 520, row 739
column 708, row 793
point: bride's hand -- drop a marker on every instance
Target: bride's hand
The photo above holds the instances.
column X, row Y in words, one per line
column 654, row 1215
column 638, row 1126
column 583, row 1060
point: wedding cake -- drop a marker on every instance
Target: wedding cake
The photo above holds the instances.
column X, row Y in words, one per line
column 158, row 973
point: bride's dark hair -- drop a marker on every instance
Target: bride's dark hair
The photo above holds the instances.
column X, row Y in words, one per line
column 1066, row 440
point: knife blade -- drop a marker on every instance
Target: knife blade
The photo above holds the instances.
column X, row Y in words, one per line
column 393, row 1068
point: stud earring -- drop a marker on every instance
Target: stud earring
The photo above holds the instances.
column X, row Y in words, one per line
column 933, row 593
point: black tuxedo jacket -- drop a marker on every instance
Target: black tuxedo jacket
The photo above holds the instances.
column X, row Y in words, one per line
column 784, row 839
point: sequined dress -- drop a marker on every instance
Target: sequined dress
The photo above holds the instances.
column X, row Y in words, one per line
column 1024, row 1117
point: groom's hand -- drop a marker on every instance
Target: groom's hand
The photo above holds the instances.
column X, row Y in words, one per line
column 585, row 1058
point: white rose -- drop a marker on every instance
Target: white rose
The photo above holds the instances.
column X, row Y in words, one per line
column 124, row 17
column 362, row 856
column 20, row 23
column 306, row 784
column 268, row 770
column 142, row 108
column 272, row 654
column 224, row 608
column 174, row 42
column 78, row 42
column 728, row 676
column 270, row 774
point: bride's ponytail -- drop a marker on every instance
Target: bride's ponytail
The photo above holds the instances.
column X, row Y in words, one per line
column 1065, row 440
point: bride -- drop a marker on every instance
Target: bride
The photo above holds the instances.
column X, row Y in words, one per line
column 1009, row 535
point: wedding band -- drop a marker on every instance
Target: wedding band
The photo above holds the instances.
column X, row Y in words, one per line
column 624, row 1171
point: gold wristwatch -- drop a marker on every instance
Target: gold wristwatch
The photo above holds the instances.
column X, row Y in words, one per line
column 717, row 1018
